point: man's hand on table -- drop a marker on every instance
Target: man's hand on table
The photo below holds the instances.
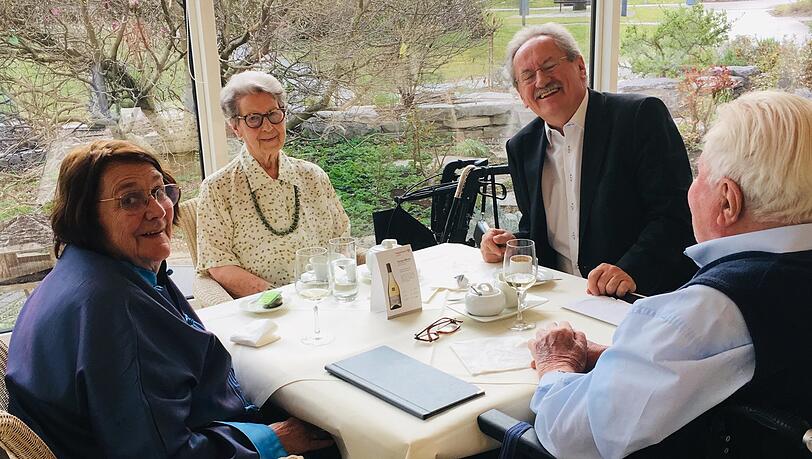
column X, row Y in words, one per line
column 558, row 347
column 299, row 437
column 593, row 353
column 609, row 280
column 493, row 243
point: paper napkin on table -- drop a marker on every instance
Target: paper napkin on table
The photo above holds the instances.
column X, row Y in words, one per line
column 491, row 355
column 603, row 308
column 257, row 333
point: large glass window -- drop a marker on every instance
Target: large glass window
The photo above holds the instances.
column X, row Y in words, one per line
column 695, row 56
column 384, row 93
column 70, row 73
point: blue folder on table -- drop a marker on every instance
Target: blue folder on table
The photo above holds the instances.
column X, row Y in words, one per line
column 419, row 389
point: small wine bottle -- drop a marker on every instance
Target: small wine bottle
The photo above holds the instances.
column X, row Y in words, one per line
column 394, row 289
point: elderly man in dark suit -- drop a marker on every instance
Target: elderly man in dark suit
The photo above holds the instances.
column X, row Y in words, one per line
column 601, row 179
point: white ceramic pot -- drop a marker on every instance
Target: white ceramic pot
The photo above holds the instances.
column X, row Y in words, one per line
column 489, row 303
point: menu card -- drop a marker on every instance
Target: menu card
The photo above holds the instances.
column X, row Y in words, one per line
column 395, row 285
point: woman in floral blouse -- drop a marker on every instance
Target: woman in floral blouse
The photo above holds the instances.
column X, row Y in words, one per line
column 259, row 209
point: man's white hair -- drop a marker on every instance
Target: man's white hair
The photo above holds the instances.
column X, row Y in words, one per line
column 249, row 82
column 763, row 142
column 562, row 37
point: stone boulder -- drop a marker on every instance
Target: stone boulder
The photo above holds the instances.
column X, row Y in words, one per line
column 664, row 89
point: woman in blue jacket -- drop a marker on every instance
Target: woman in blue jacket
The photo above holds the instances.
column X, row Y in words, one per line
column 107, row 358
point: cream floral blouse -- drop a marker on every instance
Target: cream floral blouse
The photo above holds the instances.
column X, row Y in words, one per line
column 230, row 231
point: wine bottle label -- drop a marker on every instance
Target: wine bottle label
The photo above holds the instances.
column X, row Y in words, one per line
column 394, row 292
column 395, row 285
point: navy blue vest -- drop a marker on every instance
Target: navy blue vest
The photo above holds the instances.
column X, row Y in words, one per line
column 774, row 294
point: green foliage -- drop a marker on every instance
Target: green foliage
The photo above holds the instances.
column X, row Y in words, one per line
column 781, row 64
column 385, row 99
column 686, row 37
column 471, row 147
column 364, row 174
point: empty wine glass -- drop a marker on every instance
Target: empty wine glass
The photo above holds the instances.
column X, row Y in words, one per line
column 313, row 283
column 519, row 269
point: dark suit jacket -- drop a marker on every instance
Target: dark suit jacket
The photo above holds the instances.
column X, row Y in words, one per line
column 633, row 199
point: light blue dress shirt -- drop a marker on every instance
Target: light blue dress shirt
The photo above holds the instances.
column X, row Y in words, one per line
column 673, row 357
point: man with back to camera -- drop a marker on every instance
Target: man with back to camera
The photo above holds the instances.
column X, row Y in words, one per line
column 601, row 179
column 735, row 333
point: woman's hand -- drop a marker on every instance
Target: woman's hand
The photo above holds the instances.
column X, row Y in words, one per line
column 299, row 437
column 237, row 281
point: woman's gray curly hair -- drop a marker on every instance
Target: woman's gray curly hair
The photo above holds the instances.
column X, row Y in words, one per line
column 249, row 82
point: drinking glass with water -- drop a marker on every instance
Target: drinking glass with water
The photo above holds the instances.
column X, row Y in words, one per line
column 343, row 268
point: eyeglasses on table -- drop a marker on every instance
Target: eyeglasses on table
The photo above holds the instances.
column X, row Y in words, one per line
column 441, row 326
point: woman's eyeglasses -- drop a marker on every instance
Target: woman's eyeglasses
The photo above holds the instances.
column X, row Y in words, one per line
column 255, row 120
column 441, row 326
column 137, row 201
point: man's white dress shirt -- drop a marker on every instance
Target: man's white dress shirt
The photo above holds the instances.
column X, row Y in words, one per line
column 561, row 187
column 674, row 357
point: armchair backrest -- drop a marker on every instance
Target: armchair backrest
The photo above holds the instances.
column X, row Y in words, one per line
column 187, row 221
column 17, row 440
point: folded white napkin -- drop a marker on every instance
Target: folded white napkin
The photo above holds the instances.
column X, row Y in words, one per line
column 257, row 333
column 491, row 355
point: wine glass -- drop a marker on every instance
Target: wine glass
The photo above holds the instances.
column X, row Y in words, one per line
column 313, row 283
column 519, row 269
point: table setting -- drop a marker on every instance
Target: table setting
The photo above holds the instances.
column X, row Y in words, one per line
column 478, row 349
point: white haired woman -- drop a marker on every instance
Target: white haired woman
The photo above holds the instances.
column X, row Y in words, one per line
column 264, row 205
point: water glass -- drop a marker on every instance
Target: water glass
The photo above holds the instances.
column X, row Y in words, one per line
column 343, row 269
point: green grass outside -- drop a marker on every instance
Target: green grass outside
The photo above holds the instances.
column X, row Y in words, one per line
column 514, row 4
column 644, row 14
column 18, row 193
column 473, row 64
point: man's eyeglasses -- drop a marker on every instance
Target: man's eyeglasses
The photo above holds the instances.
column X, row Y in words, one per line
column 441, row 326
column 528, row 77
column 137, row 201
column 254, row 120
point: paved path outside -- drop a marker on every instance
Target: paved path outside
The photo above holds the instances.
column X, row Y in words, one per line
column 749, row 17
column 753, row 18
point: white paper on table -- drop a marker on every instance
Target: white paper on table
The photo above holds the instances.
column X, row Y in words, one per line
column 491, row 355
column 603, row 308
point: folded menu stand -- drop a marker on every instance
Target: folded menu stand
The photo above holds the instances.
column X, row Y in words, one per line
column 419, row 389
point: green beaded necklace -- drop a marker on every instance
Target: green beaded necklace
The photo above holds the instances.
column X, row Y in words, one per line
column 293, row 225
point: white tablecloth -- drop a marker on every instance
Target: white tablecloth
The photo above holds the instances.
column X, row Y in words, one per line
column 292, row 374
